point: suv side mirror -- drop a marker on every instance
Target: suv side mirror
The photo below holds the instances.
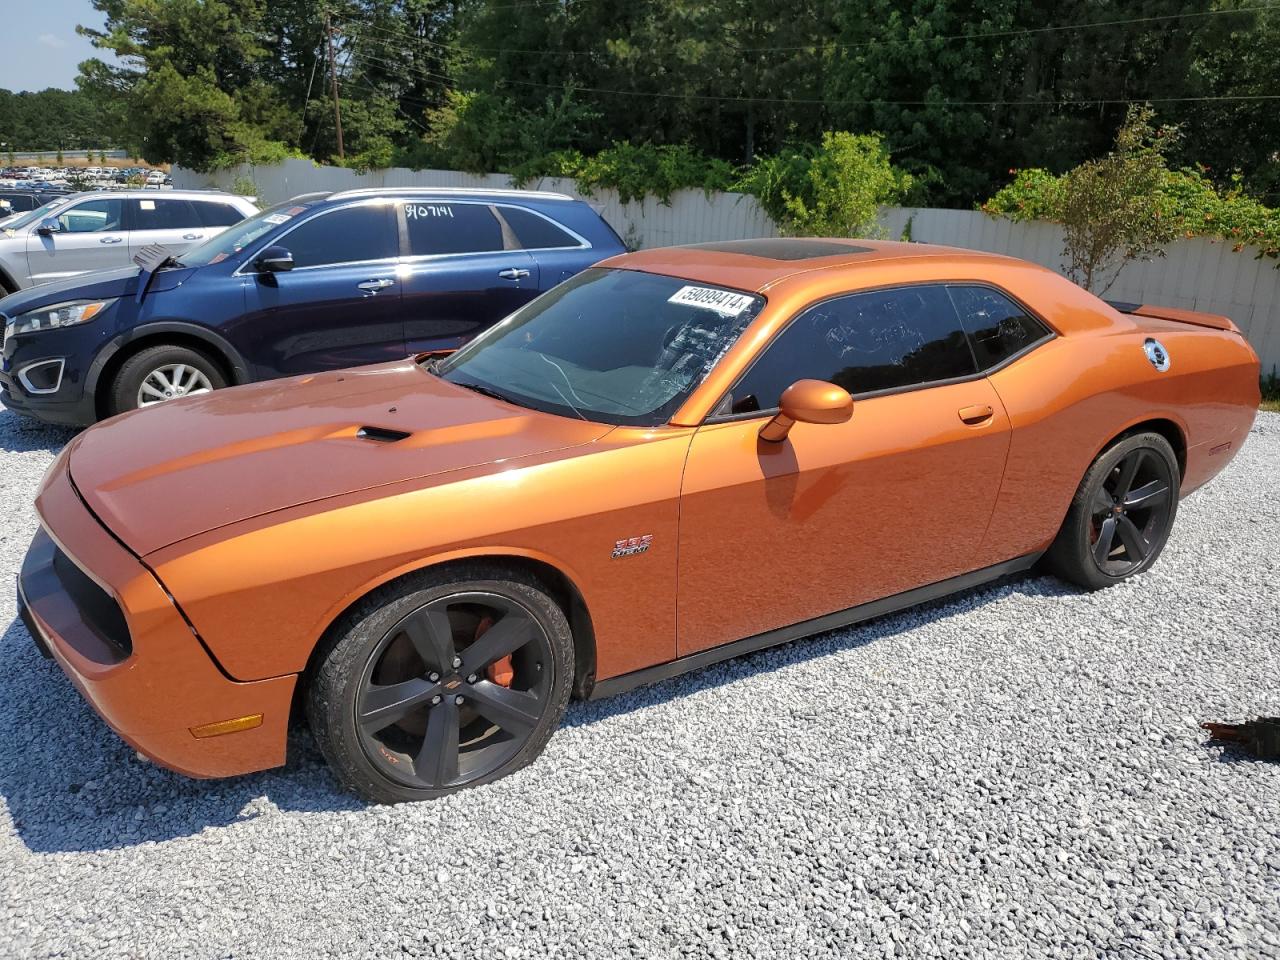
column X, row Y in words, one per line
column 808, row 401
column 48, row 227
column 274, row 259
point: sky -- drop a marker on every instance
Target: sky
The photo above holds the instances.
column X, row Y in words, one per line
column 49, row 51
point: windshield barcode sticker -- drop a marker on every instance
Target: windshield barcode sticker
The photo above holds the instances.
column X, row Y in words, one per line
column 724, row 302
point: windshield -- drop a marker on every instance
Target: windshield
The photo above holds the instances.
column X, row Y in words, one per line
column 614, row 346
column 39, row 213
column 235, row 238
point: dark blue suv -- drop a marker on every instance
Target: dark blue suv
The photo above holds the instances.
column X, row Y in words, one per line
column 321, row 281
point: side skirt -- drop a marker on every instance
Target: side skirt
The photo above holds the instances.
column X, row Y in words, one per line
column 831, row 621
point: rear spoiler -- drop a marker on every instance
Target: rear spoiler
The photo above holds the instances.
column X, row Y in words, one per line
column 1214, row 320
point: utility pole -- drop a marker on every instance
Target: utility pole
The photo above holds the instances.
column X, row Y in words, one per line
column 333, row 71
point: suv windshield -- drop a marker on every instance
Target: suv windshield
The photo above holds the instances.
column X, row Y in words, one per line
column 615, row 346
column 235, row 238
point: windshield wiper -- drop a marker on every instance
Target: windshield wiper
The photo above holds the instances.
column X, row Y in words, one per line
column 488, row 392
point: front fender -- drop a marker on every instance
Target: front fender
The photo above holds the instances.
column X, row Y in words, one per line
column 235, row 361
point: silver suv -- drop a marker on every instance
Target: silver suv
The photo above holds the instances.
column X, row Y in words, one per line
column 82, row 232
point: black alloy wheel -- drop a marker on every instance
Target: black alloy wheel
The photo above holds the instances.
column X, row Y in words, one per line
column 1121, row 515
column 454, row 690
column 441, row 681
column 1130, row 512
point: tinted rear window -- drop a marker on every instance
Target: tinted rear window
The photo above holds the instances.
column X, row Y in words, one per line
column 998, row 327
column 217, row 214
column 534, row 232
column 437, row 228
column 163, row 215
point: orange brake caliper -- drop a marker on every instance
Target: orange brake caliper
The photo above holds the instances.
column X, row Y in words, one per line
column 501, row 671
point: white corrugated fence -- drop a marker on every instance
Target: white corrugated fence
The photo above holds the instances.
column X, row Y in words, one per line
column 1196, row 274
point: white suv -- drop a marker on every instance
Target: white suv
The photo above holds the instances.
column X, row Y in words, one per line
column 98, row 231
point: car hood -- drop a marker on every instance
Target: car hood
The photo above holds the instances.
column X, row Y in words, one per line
column 101, row 285
column 160, row 475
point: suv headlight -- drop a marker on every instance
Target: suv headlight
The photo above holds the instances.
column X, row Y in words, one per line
column 59, row 315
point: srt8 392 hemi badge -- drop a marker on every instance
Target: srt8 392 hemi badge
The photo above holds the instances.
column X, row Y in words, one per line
column 632, row 546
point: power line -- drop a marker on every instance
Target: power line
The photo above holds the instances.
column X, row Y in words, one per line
column 872, row 42
column 872, row 101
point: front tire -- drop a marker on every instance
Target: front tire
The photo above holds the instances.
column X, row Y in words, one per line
column 160, row 373
column 442, row 681
column 1121, row 515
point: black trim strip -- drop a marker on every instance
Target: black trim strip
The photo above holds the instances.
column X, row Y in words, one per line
column 831, row 621
column 1123, row 306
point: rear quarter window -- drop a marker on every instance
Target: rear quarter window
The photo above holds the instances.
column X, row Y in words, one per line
column 997, row 327
column 534, row 232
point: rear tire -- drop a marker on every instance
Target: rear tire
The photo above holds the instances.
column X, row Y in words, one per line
column 153, row 371
column 444, row 680
column 1120, row 516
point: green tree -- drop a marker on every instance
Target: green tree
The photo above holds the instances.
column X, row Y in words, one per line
column 835, row 191
column 194, row 97
column 1113, row 209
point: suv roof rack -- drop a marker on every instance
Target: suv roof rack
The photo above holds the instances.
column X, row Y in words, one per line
column 449, row 191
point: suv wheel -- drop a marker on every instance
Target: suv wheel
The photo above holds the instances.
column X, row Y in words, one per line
column 161, row 373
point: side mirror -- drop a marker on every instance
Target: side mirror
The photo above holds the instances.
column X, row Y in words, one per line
column 274, row 260
column 49, row 227
column 808, row 401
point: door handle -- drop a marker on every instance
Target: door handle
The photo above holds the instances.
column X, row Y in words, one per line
column 192, row 236
column 513, row 273
column 111, row 240
column 976, row 414
column 371, row 287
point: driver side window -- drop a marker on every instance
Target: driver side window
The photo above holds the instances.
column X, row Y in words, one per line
column 93, row 216
column 864, row 342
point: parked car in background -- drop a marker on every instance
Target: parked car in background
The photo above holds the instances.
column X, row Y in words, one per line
column 434, row 555
column 82, row 232
column 324, row 280
column 15, row 201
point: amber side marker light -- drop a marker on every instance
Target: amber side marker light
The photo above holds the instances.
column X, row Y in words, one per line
column 234, row 725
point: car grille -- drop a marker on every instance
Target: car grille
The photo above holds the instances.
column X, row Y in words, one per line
column 97, row 608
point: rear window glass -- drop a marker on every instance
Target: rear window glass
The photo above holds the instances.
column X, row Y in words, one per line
column 217, row 214
column 997, row 327
column 534, row 232
column 163, row 215
column 437, row 228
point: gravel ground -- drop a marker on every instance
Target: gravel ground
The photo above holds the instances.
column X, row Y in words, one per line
column 1015, row 773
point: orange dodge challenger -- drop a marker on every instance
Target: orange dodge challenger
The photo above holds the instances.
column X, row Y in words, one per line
column 677, row 457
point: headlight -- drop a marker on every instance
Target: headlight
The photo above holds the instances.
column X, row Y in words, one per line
column 61, row 315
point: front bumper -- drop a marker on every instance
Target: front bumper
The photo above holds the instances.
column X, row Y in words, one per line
column 116, row 633
column 67, row 401
column 70, row 413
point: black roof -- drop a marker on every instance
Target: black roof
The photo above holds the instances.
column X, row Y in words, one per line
column 783, row 248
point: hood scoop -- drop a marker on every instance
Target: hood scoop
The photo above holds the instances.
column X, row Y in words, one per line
column 381, row 434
